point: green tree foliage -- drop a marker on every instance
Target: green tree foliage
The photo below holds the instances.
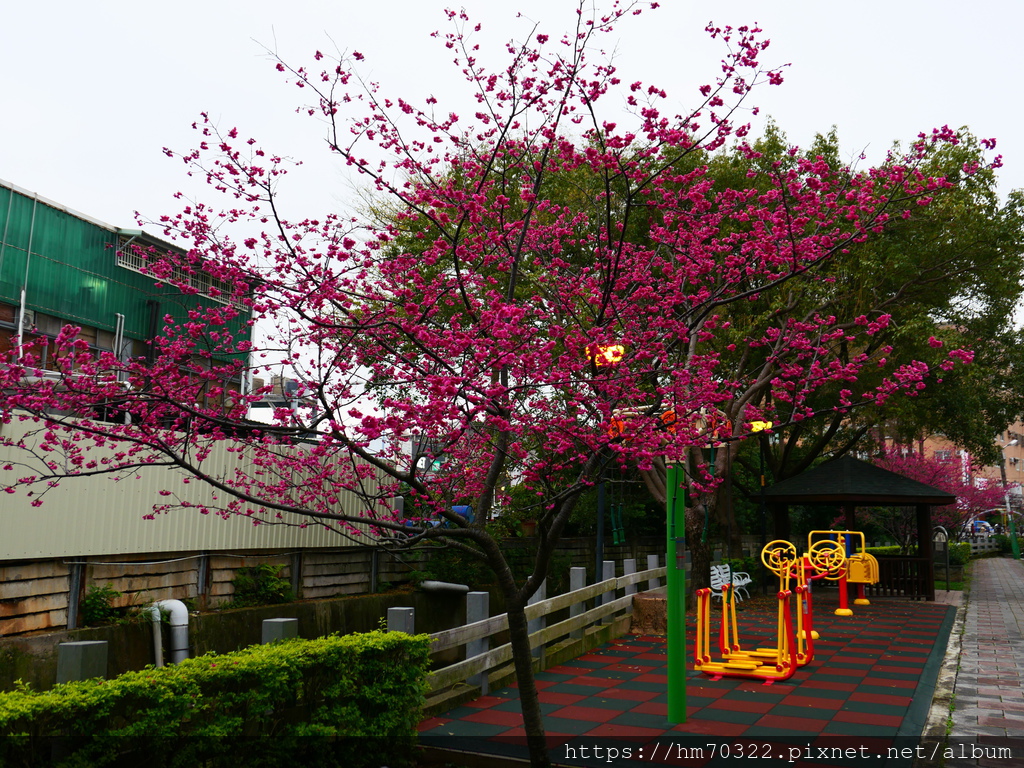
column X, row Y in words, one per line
column 949, row 276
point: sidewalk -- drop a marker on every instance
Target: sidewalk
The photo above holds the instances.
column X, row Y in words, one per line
column 988, row 692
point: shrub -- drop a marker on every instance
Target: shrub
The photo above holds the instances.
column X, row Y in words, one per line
column 959, row 553
column 260, row 585
column 1005, row 545
column 457, row 567
column 97, row 607
column 348, row 701
column 750, row 564
column 890, row 551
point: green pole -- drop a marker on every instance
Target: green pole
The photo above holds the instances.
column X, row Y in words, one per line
column 1014, row 545
column 675, row 579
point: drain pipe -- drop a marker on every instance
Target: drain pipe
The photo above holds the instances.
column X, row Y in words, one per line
column 179, row 630
column 23, row 303
column 443, row 586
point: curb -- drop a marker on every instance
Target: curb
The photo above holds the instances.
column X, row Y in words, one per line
column 936, row 725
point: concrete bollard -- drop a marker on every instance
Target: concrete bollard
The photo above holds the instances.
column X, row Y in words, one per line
column 628, row 568
column 478, row 608
column 535, row 625
column 607, row 572
column 402, row 620
column 279, row 629
column 652, row 563
column 577, row 580
column 81, row 660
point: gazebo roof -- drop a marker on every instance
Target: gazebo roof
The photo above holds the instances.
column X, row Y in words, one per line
column 846, row 480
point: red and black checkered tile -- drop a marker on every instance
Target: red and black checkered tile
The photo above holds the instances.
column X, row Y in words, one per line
column 868, row 689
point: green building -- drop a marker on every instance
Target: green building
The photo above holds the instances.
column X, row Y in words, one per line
column 59, row 267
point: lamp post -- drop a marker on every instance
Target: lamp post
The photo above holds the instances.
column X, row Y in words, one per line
column 761, row 427
column 603, row 355
column 675, row 549
column 675, row 576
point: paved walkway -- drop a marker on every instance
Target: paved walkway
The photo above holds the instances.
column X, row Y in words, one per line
column 988, row 692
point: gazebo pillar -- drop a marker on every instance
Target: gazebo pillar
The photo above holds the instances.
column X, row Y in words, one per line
column 848, row 510
column 780, row 514
column 925, row 549
column 846, row 483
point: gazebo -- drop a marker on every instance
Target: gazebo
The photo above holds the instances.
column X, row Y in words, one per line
column 847, row 482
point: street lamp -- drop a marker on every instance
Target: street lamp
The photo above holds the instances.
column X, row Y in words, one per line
column 675, row 591
column 675, row 575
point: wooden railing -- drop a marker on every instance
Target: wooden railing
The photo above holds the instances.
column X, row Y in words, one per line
column 487, row 628
column 903, row 576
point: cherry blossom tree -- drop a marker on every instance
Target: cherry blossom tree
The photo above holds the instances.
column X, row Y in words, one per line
column 953, row 476
column 490, row 340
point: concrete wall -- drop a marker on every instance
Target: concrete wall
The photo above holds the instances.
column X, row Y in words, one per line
column 33, row 659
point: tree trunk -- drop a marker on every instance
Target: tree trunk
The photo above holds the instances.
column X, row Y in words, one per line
column 700, row 553
column 522, row 658
column 724, row 514
column 533, row 720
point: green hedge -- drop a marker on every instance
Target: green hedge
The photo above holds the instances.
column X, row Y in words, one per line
column 889, row 551
column 959, row 552
column 1005, row 545
column 350, row 701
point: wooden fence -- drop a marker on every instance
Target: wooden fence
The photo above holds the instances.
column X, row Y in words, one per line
column 903, row 576
column 47, row 594
column 580, row 621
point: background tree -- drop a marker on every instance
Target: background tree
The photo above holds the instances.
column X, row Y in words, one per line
column 948, row 275
column 487, row 343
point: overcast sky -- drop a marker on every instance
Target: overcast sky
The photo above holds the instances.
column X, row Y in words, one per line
column 93, row 91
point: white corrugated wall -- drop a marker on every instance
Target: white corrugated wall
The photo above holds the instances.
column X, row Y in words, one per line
column 98, row 515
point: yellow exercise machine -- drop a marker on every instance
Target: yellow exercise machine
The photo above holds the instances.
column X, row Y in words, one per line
column 795, row 640
column 861, row 566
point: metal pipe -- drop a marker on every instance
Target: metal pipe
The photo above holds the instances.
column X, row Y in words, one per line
column 158, row 635
column 118, row 334
column 179, row 629
column 7, row 226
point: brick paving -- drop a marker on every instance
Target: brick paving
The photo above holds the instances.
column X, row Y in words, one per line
column 988, row 693
column 868, row 685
